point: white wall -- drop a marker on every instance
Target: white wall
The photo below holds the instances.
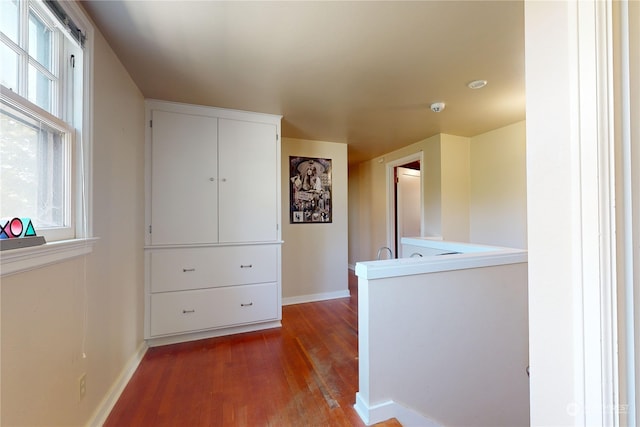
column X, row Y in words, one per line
column 355, row 215
column 573, row 335
column 474, row 191
column 43, row 328
column 369, row 202
column 455, row 162
column 432, row 185
column 552, row 285
column 498, row 205
column 314, row 256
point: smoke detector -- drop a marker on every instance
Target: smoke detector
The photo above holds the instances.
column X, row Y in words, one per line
column 437, row 107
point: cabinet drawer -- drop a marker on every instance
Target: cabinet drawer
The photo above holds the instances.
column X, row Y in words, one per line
column 187, row 311
column 199, row 268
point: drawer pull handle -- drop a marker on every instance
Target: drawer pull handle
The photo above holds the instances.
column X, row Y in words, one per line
column 188, row 311
column 246, row 305
column 246, row 265
column 186, row 270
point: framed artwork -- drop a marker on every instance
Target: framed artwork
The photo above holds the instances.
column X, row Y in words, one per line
column 309, row 190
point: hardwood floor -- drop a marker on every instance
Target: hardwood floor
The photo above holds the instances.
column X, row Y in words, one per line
column 304, row 374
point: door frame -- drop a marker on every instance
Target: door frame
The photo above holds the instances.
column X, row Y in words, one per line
column 391, row 196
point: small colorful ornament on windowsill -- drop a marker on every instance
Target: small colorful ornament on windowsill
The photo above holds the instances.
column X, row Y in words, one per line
column 18, row 233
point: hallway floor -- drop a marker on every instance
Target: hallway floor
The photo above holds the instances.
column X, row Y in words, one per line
column 304, row 374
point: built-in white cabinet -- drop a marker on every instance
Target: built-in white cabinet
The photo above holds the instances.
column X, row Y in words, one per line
column 212, row 253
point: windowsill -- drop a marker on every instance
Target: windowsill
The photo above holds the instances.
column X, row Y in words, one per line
column 24, row 259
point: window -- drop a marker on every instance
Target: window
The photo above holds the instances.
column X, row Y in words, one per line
column 46, row 67
column 41, row 130
column 35, row 170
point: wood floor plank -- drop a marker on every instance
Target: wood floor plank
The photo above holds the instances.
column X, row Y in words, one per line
column 303, row 374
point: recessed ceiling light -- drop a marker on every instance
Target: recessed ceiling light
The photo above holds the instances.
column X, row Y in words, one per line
column 477, row 84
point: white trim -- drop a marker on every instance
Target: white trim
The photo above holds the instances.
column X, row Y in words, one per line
column 596, row 267
column 110, row 399
column 391, row 211
column 84, row 138
column 209, row 111
column 371, row 270
column 32, row 110
column 386, row 410
column 315, row 297
column 630, row 212
column 24, row 259
column 210, row 245
column 86, row 156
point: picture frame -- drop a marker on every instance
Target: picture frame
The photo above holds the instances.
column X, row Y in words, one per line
column 310, row 190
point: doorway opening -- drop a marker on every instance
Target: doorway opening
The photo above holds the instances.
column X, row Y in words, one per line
column 405, row 206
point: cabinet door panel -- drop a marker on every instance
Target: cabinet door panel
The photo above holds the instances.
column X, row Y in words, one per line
column 183, row 179
column 248, row 181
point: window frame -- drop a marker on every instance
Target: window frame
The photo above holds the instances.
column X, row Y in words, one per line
column 24, row 108
column 24, row 259
column 26, row 59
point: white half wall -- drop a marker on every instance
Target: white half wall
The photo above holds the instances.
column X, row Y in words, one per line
column 449, row 346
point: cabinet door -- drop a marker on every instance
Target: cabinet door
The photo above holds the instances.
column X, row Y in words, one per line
column 248, row 181
column 184, row 197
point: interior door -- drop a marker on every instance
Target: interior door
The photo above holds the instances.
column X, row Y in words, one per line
column 408, row 205
column 184, row 195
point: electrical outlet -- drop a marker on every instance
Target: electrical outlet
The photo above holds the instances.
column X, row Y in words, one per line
column 82, row 385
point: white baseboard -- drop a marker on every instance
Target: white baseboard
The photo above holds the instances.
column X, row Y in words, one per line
column 390, row 409
column 373, row 414
column 109, row 401
column 316, row 297
column 213, row 333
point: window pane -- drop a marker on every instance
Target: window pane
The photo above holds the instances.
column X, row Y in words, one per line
column 9, row 12
column 40, row 41
column 40, row 89
column 9, row 68
column 32, row 171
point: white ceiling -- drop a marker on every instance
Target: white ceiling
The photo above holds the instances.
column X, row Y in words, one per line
column 363, row 73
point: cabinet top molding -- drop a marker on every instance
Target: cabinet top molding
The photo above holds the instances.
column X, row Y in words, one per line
column 225, row 113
